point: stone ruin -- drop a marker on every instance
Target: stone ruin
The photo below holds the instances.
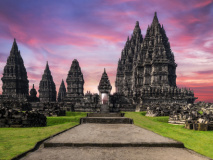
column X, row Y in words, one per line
column 154, row 110
column 146, row 74
column 52, row 109
column 183, row 113
column 191, row 116
column 205, row 107
column 15, row 104
column 197, row 116
column 16, row 118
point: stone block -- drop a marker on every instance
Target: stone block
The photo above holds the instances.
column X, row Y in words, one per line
column 195, row 126
column 188, row 125
column 202, row 127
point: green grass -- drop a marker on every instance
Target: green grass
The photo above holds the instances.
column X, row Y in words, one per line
column 199, row 141
column 14, row 141
column 70, row 117
column 201, row 112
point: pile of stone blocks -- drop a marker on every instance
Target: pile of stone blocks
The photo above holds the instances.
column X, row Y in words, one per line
column 180, row 114
column 52, row 112
column 16, row 118
column 191, row 116
column 154, row 110
column 51, row 109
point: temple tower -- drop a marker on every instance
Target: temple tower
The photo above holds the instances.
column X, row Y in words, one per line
column 159, row 63
column 126, row 65
column 47, row 89
column 104, row 88
column 61, row 92
column 33, row 97
column 119, row 77
column 15, row 80
column 146, row 71
column 75, row 82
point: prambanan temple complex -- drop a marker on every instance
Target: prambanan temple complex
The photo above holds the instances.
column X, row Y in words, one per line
column 146, row 75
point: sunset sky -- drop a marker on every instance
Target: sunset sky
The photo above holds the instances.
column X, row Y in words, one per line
column 94, row 32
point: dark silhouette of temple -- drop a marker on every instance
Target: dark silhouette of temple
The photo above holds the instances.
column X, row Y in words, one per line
column 146, row 74
column 33, row 95
column 75, row 83
column 15, row 81
column 62, row 92
column 47, row 89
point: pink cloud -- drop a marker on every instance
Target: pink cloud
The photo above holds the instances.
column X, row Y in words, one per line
column 203, row 3
column 95, row 32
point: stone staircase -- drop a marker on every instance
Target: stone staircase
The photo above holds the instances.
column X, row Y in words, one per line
column 106, row 118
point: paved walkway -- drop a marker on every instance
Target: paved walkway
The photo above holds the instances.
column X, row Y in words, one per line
column 111, row 142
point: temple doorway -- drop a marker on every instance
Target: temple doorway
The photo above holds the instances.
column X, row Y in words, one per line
column 104, row 98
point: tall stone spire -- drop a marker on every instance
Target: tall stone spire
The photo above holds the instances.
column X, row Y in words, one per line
column 47, row 89
column 75, row 83
column 47, row 69
column 61, row 92
column 15, row 80
column 14, row 48
column 161, row 56
column 104, row 84
column 129, row 55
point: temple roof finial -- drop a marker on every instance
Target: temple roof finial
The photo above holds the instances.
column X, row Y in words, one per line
column 137, row 24
column 137, row 30
column 14, row 47
column 47, row 67
column 62, row 82
column 155, row 19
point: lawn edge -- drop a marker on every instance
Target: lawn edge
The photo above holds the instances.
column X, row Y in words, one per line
column 189, row 149
column 38, row 144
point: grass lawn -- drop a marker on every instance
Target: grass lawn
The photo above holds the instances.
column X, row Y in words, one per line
column 199, row 141
column 14, row 141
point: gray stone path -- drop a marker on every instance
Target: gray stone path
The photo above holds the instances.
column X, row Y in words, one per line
column 103, row 134
column 89, row 142
column 114, row 153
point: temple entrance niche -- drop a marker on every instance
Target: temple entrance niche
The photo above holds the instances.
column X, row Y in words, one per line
column 104, row 98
